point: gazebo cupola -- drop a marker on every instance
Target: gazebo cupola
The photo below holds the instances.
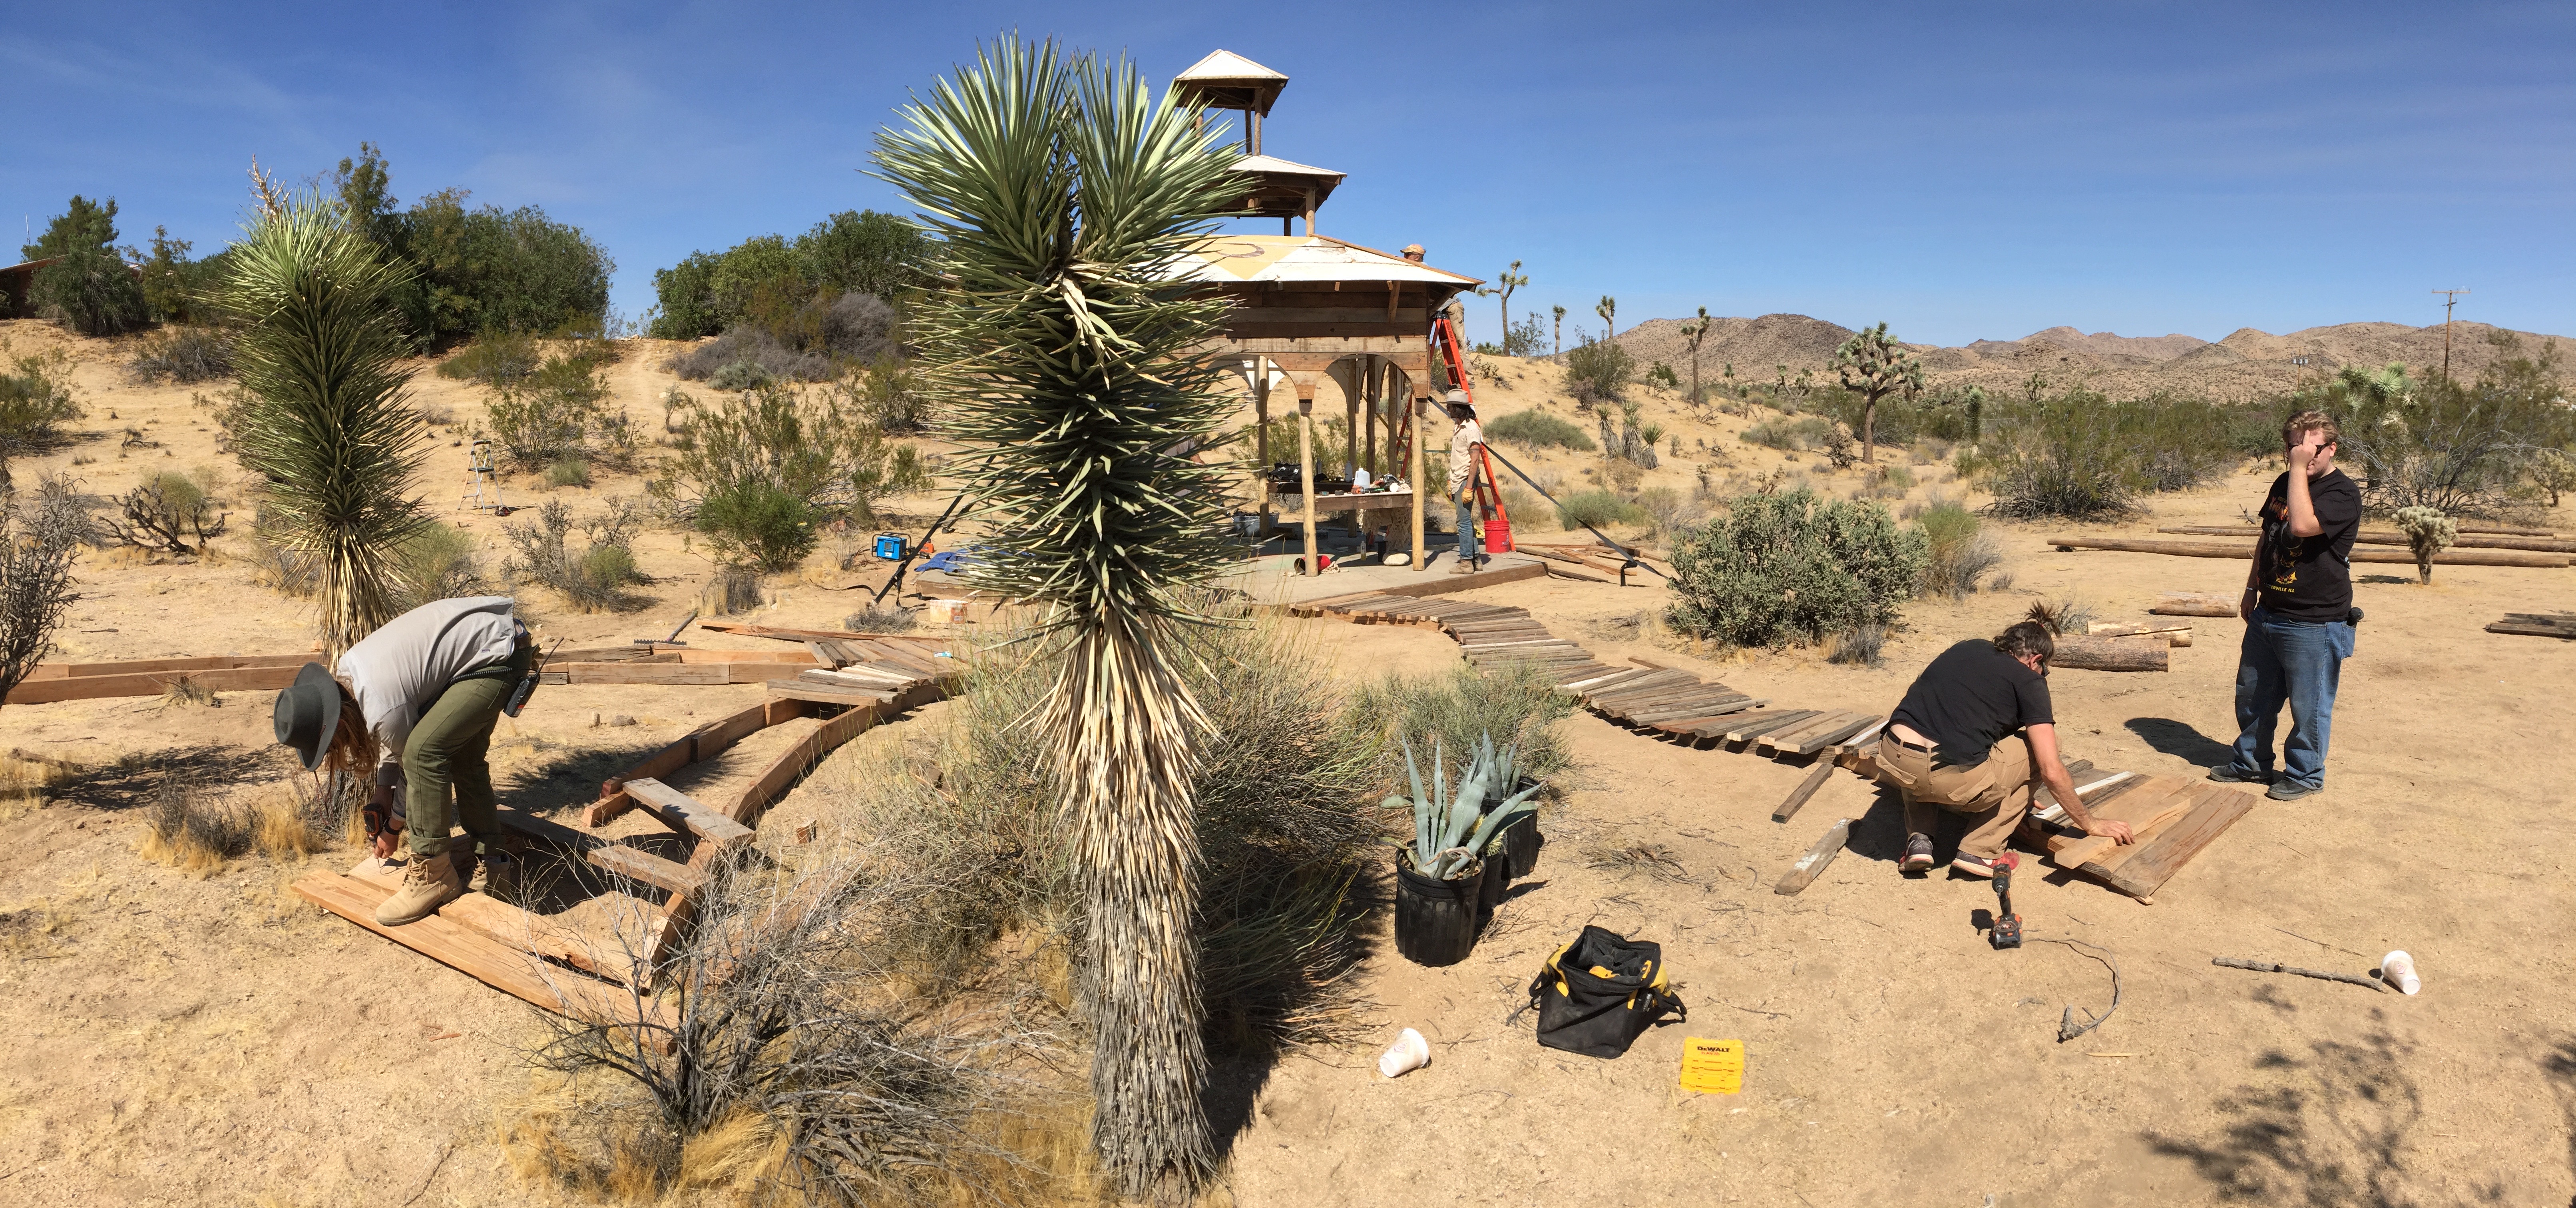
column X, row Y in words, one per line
column 1273, row 187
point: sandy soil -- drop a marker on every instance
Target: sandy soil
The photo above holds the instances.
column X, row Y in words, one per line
column 216, row 1040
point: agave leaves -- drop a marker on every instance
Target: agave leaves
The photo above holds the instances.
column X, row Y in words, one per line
column 329, row 427
column 1448, row 831
column 1066, row 349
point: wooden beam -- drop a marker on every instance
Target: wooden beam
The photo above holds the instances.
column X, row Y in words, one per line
column 1809, row 866
column 513, row 971
column 829, row 694
column 682, row 812
column 2465, row 540
column 150, row 683
column 645, row 867
column 2146, row 871
column 783, row 634
column 2085, row 653
column 1413, row 441
column 2196, row 604
column 2213, row 549
column 615, row 956
column 1806, row 788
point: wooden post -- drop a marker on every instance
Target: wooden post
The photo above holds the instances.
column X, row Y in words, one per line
column 1306, row 471
column 1351, row 421
column 1261, row 434
column 1421, row 556
column 1376, row 392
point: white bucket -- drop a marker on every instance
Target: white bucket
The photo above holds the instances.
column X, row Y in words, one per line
column 2398, row 969
column 1410, row 1052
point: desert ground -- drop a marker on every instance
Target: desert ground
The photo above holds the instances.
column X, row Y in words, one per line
column 212, row 1039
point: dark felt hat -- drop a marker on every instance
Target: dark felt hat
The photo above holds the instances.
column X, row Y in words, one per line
column 309, row 713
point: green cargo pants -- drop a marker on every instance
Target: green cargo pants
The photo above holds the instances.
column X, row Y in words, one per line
column 446, row 753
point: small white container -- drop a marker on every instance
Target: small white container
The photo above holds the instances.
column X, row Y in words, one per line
column 1410, row 1052
column 2398, row 969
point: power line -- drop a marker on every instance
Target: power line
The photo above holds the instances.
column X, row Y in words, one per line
column 2451, row 298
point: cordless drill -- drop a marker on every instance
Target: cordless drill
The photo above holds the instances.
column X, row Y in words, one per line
column 2007, row 928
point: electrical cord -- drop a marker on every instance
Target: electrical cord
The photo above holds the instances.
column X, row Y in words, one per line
column 2067, row 1028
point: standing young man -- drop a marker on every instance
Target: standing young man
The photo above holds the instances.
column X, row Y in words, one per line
column 1463, row 441
column 2298, row 614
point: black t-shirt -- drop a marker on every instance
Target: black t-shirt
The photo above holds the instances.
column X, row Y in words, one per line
column 1969, row 698
column 2309, row 578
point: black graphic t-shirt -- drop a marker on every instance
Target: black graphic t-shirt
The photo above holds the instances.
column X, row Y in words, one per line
column 2309, row 578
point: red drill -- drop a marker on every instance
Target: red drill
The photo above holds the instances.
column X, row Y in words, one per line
column 2007, row 928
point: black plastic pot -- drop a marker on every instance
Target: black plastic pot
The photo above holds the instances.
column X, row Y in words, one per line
column 1521, row 842
column 1435, row 920
column 1498, row 884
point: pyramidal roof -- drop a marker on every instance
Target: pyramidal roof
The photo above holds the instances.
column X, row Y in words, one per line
column 1282, row 167
column 1227, row 65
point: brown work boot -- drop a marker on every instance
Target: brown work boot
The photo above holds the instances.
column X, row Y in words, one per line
column 429, row 882
column 1462, row 566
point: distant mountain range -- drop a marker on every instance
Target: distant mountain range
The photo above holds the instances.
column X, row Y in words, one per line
column 2246, row 366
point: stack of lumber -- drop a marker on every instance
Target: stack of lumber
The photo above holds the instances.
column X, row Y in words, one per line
column 1593, row 556
column 2537, row 624
column 852, row 668
column 2360, row 553
column 2174, row 818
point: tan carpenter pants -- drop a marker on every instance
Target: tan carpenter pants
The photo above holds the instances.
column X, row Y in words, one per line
column 1994, row 794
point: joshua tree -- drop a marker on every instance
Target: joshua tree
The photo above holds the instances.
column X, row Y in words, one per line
column 2429, row 532
column 1560, row 332
column 1067, row 345
column 1976, row 400
column 1693, row 332
column 1609, row 312
column 1876, row 366
column 328, row 425
column 1510, row 280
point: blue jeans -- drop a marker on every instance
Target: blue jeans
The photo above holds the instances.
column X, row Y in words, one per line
column 2297, row 663
column 1468, row 535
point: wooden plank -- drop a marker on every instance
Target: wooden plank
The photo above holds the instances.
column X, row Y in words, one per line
column 2215, row 549
column 2195, row 604
column 783, row 634
column 613, row 957
column 2107, row 861
column 2156, row 799
column 2371, row 537
column 1789, row 736
column 685, row 675
column 1809, row 866
column 1709, row 704
column 829, row 694
column 645, row 867
column 860, row 675
column 1817, row 738
column 2095, row 854
column 512, row 971
column 718, row 736
column 1440, row 585
column 217, row 662
column 97, row 687
column 774, row 780
column 2146, row 871
column 1747, row 731
column 1693, row 725
column 2517, row 628
column 683, row 812
column 1806, row 788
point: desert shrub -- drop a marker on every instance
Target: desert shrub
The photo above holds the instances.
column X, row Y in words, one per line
column 2456, row 447
column 1537, row 429
column 889, row 394
column 569, row 472
column 595, row 577
column 2551, row 470
column 2176, row 443
column 40, row 532
column 181, row 355
column 1598, row 370
column 1958, row 551
column 1284, row 822
column 1790, row 434
column 1597, row 508
column 1662, row 375
column 863, row 253
column 164, row 512
column 747, row 358
column 1527, row 338
column 730, row 590
column 189, row 829
column 35, row 402
column 1859, row 646
column 1667, row 508
column 560, row 412
column 493, row 270
column 88, row 287
column 759, row 473
column 1515, row 703
column 439, row 562
column 887, row 618
column 500, row 359
column 1333, row 448
column 1790, row 567
column 2428, row 532
column 2066, row 460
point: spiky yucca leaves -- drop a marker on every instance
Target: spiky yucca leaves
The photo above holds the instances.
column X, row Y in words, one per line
column 1066, row 348
column 329, row 427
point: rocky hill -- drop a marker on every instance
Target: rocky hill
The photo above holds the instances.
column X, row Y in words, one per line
column 2246, row 366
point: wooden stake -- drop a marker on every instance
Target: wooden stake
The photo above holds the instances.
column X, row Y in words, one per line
column 1809, row 866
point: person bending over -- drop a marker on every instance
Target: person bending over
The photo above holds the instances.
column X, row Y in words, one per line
column 416, row 702
column 1975, row 736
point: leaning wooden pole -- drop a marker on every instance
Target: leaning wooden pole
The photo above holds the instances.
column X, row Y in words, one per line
column 1306, row 478
column 1413, row 417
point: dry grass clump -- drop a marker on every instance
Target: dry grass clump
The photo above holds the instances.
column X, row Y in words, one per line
column 26, row 780
column 193, row 830
column 1514, row 703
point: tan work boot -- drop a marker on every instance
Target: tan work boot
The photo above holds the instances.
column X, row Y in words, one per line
column 1462, row 566
column 428, row 883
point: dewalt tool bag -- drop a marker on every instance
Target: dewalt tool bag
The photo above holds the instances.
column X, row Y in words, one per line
column 1601, row 992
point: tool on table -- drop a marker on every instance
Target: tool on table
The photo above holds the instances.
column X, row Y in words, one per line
column 2007, row 929
column 528, row 683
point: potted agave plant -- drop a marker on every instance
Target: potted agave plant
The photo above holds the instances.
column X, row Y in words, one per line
column 1441, row 878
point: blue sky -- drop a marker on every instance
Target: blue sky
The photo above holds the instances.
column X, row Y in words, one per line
column 1960, row 170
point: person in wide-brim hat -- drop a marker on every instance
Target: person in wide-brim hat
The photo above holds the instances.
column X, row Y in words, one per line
column 1464, row 440
column 415, row 704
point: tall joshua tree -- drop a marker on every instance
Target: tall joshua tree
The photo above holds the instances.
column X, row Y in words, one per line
column 1560, row 332
column 1876, row 367
column 328, row 425
column 1512, row 279
column 1609, row 312
column 1064, row 194
column 1692, row 333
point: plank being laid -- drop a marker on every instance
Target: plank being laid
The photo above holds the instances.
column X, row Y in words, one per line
column 2097, row 855
column 1787, row 737
column 682, row 812
column 154, row 683
column 513, row 971
column 1748, row 729
column 1818, row 739
column 613, row 956
column 2146, row 871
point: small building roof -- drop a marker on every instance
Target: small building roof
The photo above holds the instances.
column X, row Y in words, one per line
column 1272, row 165
column 1228, row 259
column 1284, row 189
column 1226, row 80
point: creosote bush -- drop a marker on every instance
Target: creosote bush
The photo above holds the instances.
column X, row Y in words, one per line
column 760, row 473
column 182, row 355
column 1958, row 551
column 594, row 577
column 560, row 411
column 1789, row 567
column 1598, row 371
column 1538, row 430
column 1597, row 508
column 35, row 402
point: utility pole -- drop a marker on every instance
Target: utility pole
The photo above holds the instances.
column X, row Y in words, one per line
column 2451, row 298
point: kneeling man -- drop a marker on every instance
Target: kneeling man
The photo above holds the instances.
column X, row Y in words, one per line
column 1975, row 736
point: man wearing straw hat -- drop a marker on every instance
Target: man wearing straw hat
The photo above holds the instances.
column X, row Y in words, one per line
column 415, row 704
column 1464, row 440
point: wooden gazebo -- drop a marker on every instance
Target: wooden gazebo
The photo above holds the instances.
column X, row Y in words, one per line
column 1308, row 307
